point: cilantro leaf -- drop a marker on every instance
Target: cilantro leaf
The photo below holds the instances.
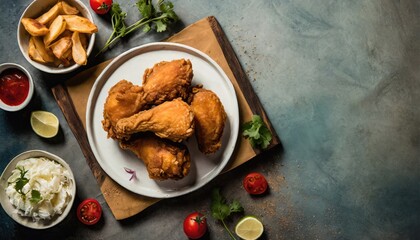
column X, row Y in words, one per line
column 145, row 8
column 257, row 132
column 147, row 28
column 152, row 17
column 167, row 8
column 118, row 26
column 235, row 206
column 21, row 181
column 117, row 19
column 35, row 196
column 160, row 26
column 221, row 210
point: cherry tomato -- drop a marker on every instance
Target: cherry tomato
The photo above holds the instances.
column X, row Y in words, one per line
column 255, row 183
column 195, row 225
column 101, row 6
column 89, row 211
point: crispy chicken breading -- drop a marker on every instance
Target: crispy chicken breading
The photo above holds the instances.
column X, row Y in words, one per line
column 210, row 118
column 172, row 120
column 167, row 80
column 124, row 100
column 164, row 159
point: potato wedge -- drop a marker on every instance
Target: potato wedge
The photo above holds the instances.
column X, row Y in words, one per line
column 57, row 27
column 66, row 33
column 34, row 27
column 65, row 62
column 67, row 54
column 67, row 9
column 50, row 15
column 83, row 40
column 78, row 52
column 61, row 46
column 33, row 52
column 79, row 24
column 45, row 53
column 67, row 59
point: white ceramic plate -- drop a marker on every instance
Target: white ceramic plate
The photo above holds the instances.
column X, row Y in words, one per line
column 11, row 210
column 131, row 66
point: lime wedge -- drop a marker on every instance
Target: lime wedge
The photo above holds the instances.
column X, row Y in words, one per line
column 44, row 123
column 249, row 228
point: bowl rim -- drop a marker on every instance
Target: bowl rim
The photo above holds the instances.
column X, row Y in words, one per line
column 11, row 210
column 4, row 106
column 84, row 10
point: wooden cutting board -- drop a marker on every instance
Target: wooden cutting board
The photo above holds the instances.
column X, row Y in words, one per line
column 205, row 35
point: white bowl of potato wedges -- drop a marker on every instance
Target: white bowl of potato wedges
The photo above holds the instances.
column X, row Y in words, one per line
column 56, row 36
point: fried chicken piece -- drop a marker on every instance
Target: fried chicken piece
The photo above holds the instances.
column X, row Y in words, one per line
column 164, row 159
column 124, row 99
column 167, row 80
column 164, row 82
column 173, row 120
column 210, row 118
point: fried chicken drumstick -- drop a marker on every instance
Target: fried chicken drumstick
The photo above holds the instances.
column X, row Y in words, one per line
column 164, row 159
column 172, row 120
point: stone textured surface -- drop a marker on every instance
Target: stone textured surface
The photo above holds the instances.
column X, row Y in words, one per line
column 340, row 80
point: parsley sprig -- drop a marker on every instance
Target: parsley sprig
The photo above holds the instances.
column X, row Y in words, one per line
column 257, row 132
column 21, row 181
column 221, row 210
column 158, row 17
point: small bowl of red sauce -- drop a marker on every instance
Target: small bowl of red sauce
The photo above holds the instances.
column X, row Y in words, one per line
column 16, row 87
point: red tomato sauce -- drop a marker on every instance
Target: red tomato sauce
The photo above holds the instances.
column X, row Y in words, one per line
column 14, row 86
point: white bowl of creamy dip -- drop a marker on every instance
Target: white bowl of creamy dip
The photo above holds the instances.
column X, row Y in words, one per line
column 37, row 189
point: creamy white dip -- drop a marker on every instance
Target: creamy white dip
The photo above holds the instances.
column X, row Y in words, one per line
column 45, row 176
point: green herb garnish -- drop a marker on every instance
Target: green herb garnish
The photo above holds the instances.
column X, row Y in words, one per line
column 35, row 196
column 158, row 17
column 220, row 210
column 118, row 26
column 21, row 182
column 257, row 132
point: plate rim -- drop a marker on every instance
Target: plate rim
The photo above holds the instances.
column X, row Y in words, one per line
column 94, row 93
